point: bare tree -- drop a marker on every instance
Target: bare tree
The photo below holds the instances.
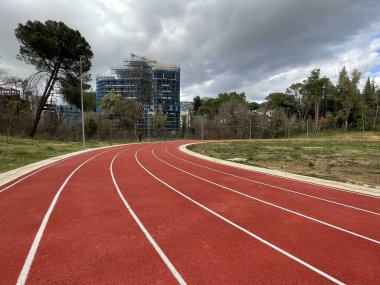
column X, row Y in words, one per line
column 141, row 82
column 234, row 115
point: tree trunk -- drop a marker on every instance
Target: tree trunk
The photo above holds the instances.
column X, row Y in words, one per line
column 316, row 116
column 374, row 121
column 361, row 109
column 44, row 98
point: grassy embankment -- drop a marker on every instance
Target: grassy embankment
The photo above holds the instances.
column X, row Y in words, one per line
column 348, row 157
column 17, row 152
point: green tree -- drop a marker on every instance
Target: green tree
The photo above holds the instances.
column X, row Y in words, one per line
column 348, row 93
column 316, row 88
column 302, row 104
column 159, row 124
column 370, row 103
column 197, row 103
column 54, row 49
column 282, row 101
column 210, row 106
column 70, row 89
column 253, row 106
column 125, row 111
column 184, row 125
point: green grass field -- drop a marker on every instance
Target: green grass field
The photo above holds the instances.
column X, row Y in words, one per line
column 351, row 158
column 16, row 152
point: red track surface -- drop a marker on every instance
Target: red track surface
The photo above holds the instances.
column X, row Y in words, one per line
column 150, row 214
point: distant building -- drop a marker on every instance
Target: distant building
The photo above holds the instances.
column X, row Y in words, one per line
column 146, row 80
column 9, row 93
column 12, row 104
column 187, row 109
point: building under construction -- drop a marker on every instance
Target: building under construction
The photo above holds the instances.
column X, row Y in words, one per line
column 154, row 84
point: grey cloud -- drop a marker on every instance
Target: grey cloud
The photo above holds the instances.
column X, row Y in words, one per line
column 237, row 44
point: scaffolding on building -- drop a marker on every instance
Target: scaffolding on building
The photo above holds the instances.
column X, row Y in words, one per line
column 155, row 84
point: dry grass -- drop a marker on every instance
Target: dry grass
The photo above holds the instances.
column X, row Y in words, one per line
column 353, row 158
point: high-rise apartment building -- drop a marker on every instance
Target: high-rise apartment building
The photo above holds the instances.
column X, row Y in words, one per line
column 146, row 80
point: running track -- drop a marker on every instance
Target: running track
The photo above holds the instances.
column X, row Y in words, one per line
column 151, row 214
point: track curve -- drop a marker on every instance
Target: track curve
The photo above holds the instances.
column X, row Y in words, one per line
column 151, row 214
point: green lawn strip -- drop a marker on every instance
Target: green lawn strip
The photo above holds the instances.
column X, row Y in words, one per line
column 344, row 161
column 17, row 152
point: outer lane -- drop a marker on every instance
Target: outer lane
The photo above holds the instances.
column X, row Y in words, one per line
column 22, row 208
column 350, row 198
column 347, row 218
column 344, row 256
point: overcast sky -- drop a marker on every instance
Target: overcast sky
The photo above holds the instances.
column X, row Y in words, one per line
column 253, row 46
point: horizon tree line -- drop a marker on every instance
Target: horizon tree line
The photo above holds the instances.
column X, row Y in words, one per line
column 314, row 104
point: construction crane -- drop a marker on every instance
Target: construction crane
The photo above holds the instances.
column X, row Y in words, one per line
column 143, row 58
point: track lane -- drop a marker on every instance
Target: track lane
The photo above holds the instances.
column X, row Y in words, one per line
column 163, row 256
column 359, row 200
column 269, row 186
column 22, row 209
column 329, row 249
column 101, row 243
column 203, row 248
column 358, row 222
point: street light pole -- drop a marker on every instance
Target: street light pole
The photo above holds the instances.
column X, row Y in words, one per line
column 202, row 128
column 148, row 125
column 250, row 126
column 81, row 98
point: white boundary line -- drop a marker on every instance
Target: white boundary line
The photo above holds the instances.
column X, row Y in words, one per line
column 36, row 242
column 34, row 172
column 273, row 186
column 268, row 203
column 337, row 186
column 144, row 230
column 243, row 229
column 38, row 166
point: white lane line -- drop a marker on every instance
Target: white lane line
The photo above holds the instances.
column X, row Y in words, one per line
column 47, row 166
column 273, row 186
column 36, row 171
column 268, row 203
column 36, row 242
column 243, row 229
column 145, row 231
column 299, row 180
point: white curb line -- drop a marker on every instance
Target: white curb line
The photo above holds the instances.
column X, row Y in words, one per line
column 15, row 173
column 311, row 180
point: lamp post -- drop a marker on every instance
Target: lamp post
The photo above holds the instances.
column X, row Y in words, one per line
column 149, row 125
column 202, row 128
column 81, row 99
column 250, row 126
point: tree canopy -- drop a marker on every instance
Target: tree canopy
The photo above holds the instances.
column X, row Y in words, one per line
column 54, row 49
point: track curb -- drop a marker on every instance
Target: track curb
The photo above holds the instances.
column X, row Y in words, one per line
column 312, row 180
column 11, row 175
